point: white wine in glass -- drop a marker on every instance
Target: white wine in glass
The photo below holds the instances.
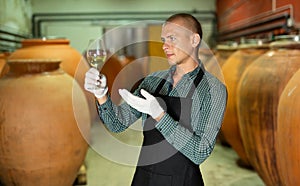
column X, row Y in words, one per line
column 96, row 54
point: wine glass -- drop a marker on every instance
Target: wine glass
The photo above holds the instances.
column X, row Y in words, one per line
column 96, row 54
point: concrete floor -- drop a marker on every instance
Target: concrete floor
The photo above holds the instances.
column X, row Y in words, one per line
column 111, row 157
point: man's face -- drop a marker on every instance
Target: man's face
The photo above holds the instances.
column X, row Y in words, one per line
column 177, row 42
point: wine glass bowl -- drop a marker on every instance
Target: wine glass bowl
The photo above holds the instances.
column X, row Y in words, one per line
column 96, row 55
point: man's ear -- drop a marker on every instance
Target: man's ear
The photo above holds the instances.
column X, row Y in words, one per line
column 195, row 40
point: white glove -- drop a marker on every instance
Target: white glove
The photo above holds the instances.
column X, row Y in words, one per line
column 95, row 83
column 149, row 105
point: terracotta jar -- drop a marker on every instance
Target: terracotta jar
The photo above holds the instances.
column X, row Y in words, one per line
column 72, row 61
column 44, row 124
column 224, row 51
column 44, row 48
column 288, row 131
column 233, row 69
column 258, row 95
column 214, row 60
column 3, row 65
column 214, row 66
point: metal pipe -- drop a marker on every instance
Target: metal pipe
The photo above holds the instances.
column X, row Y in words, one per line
column 12, row 34
column 262, row 26
column 260, row 16
column 256, row 23
column 256, row 30
column 273, row 5
column 39, row 18
column 9, row 41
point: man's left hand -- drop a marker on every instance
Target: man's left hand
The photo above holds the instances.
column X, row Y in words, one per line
column 150, row 105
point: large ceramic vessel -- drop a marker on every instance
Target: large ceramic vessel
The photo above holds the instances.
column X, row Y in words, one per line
column 3, row 65
column 258, row 95
column 233, row 69
column 288, row 132
column 44, row 124
column 45, row 48
column 214, row 66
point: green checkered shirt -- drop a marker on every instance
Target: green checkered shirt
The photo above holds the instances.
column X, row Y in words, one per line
column 207, row 111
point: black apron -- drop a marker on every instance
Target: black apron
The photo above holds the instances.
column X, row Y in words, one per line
column 160, row 164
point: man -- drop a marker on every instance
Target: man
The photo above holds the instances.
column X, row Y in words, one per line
column 181, row 108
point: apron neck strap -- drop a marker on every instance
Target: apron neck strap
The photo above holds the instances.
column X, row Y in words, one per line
column 161, row 84
column 195, row 83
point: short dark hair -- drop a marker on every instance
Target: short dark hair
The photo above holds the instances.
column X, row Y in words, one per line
column 191, row 21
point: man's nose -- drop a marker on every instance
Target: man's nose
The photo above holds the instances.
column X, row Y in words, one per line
column 165, row 46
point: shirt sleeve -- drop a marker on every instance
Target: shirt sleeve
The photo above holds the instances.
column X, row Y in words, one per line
column 208, row 109
column 117, row 118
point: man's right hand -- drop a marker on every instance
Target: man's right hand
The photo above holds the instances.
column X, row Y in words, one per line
column 95, row 83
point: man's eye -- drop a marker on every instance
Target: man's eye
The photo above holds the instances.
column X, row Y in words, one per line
column 172, row 38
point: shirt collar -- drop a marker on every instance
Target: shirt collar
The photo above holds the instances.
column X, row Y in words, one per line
column 191, row 75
